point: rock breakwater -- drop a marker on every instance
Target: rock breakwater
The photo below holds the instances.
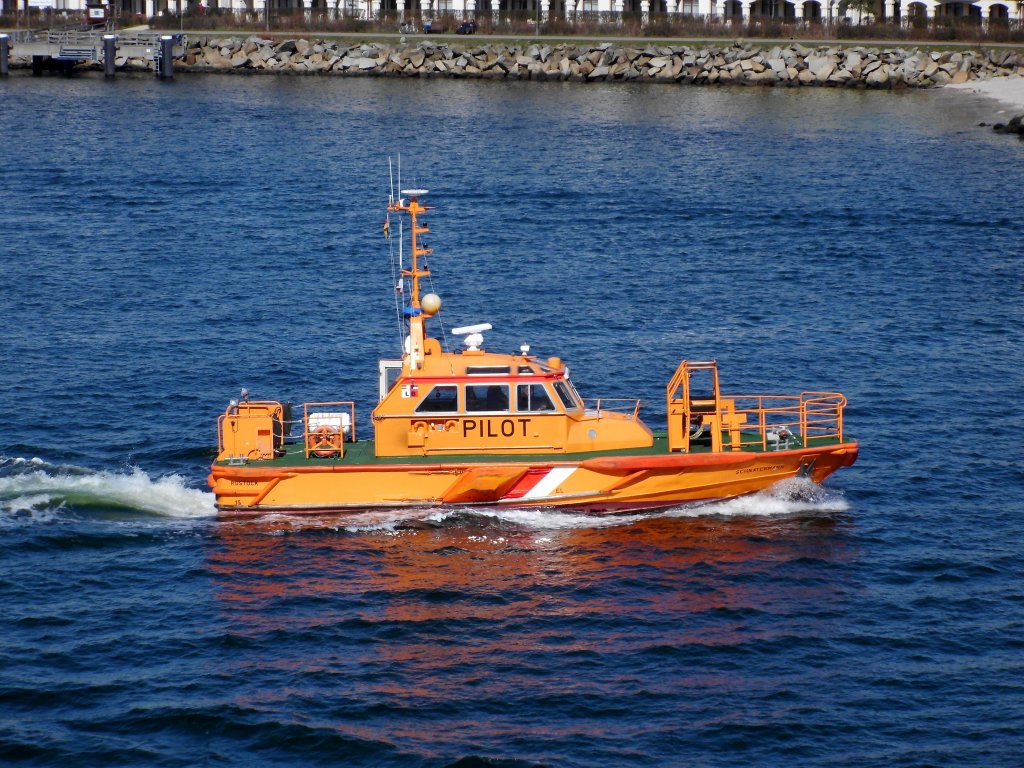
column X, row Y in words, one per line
column 739, row 63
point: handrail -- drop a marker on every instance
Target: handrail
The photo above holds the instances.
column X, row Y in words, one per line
column 626, row 405
column 95, row 37
column 762, row 422
column 780, row 420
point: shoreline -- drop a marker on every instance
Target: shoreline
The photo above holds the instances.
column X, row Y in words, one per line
column 1006, row 91
column 993, row 74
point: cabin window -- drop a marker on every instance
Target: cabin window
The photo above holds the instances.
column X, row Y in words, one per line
column 487, row 370
column 487, row 397
column 525, row 370
column 389, row 371
column 444, row 398
column 533, row 397
column 566, row 396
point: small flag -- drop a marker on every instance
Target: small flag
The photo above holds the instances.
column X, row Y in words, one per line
column 387, row 228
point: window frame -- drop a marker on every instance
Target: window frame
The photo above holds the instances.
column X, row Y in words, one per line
column 567, row 397
column 418, row 410
column 503, row 384
column 547, row 394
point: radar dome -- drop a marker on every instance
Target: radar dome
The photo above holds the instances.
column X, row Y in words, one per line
column 430, row 304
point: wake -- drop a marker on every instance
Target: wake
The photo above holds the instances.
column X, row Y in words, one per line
column 33, row 487
column 790, row 498
column 30, row 486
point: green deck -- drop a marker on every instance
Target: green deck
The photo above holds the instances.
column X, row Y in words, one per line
column 361, row 452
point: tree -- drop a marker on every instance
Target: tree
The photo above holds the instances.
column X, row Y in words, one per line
column 860, row 6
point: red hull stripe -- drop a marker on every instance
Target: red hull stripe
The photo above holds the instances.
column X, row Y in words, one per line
column 526, row 483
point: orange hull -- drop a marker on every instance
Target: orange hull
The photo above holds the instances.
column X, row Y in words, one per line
column 602, row 484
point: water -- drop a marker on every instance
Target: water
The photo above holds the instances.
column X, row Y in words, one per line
column 166, row 244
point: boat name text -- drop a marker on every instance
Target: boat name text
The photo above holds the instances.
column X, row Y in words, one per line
column 494, row 427
column 751, row 470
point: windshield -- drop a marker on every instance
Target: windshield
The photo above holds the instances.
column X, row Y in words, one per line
column 565, row 394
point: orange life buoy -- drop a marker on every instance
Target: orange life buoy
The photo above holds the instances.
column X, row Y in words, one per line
column 324, row 442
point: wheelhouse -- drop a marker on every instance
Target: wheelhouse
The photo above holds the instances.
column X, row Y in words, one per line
column 473, row 401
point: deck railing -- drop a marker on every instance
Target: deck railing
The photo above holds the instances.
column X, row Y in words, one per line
column 625, row 405
column 746, row 422
column 776, row 422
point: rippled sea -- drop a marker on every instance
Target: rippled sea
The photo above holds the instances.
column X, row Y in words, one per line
column 165, row 244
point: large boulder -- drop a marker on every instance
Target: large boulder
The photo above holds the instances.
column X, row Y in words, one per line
column 821, row 67
column 878, row 77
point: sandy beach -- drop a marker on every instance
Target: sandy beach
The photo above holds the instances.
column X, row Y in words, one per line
column 1009, row 91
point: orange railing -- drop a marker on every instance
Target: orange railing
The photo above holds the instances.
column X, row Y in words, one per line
column 747, row 422
column 327, row 426
column 774, row 422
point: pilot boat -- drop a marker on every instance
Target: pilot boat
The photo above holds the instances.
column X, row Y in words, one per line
column 479, row 428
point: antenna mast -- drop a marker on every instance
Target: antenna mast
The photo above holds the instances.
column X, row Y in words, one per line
column 414, row 209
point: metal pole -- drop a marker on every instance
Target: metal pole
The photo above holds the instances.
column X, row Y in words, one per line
column 5, row 52
column 109, row 55
column 166, row 57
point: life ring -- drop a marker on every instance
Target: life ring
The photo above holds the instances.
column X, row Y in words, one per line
column 324, row 442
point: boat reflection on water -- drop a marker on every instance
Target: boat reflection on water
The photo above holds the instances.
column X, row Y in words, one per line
column 287, row 573
column 486, row 625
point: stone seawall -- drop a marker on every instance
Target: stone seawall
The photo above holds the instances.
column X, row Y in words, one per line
column 741, row 63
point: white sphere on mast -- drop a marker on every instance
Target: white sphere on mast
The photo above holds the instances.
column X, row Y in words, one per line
column 430, row 304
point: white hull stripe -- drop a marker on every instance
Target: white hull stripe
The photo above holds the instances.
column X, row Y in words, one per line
column 549, row 482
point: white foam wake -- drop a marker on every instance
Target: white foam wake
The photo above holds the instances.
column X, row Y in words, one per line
column 795, row 496
column 49, row 486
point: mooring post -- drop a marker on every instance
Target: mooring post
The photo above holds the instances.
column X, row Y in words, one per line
column 166, row 71
column 109, row 55
column 5, row 53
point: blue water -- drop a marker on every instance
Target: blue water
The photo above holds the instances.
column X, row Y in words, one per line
column 165, row 244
